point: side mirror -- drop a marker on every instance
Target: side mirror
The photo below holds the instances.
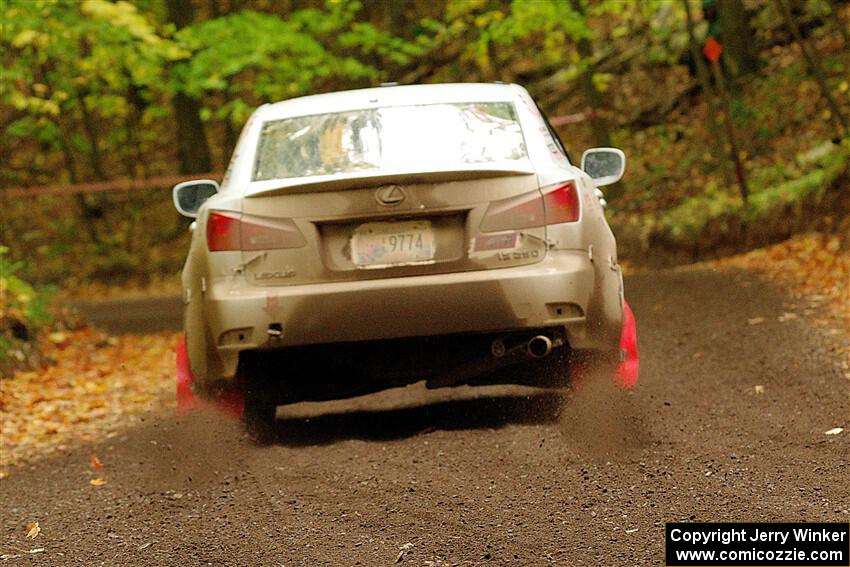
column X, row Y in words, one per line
column 604, row 165
column 190, row 195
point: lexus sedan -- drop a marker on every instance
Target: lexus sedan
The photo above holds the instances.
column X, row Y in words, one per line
column 373, row 238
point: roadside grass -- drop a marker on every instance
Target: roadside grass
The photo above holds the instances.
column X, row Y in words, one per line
column 24, row 314
column 777, row 193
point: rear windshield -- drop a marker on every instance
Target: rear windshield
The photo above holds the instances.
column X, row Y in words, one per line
column 428, row 137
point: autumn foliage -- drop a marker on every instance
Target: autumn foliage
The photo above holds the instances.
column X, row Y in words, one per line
column 94, row 384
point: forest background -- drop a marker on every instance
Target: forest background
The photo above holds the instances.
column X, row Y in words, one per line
column 103, row 104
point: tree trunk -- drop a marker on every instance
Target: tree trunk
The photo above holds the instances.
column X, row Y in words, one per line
column 738, row 38
column 134, row 118
column 740, row 171
column 841, row 121
column 594, row 98
column 231, row 137
column 193, row 150
column 95, row 160
column 705, row 83
column 91, row 213
column 192, row 147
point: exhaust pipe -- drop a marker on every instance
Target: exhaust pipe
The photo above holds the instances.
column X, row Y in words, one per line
column 536, row 347
column 501, row 355
column 539, row 346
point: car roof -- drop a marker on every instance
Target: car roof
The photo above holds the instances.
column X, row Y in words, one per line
column 396, row 95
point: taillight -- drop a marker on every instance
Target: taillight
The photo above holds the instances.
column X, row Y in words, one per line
column 522, row 211
column 561, row 204
column 223, row 231
column 555, row 205
column 234, row 231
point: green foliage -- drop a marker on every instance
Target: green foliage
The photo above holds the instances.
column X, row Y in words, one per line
column 65, row 52
column 23, row 309
column 823, row 165
column 774, row 191
column 484, row 28
column 741, row 113
column 668, row 40
column 77, row 69
column 147, row 240
column 71, row 62
column 252, row 57
column 686, row 221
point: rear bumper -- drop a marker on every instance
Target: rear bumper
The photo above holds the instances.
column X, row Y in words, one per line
column 561, row 290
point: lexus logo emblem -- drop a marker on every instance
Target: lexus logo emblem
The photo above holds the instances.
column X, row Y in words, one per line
column 390, row 195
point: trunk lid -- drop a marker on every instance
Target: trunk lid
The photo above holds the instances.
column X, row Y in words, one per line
column 393, row 225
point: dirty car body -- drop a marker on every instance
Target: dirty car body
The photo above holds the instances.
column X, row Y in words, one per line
column 377, row 237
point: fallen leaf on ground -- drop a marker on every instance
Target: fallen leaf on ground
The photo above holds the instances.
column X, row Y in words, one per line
column 58, row 337
column 33, row 530
column 97, row 481
column 834, row 431
column 759, row 389
column 95, row 462
column 815, row 265
column 96, row 383
column 755, row 320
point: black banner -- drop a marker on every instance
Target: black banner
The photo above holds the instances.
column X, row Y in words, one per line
column 761, row 544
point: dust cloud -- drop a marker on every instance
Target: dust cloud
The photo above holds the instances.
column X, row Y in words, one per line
column 601, row 421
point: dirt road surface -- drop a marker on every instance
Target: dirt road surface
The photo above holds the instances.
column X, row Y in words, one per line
column 140, row 315
column 501, row 476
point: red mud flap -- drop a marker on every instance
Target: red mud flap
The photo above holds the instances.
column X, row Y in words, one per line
column 626, row 374
column 230, row 403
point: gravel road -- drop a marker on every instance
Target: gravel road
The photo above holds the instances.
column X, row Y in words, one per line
column 496, row 476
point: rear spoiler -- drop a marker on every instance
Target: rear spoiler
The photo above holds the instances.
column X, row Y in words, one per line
column 365, row 179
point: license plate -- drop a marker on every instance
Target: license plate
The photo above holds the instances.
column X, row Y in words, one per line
column 385, row 244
